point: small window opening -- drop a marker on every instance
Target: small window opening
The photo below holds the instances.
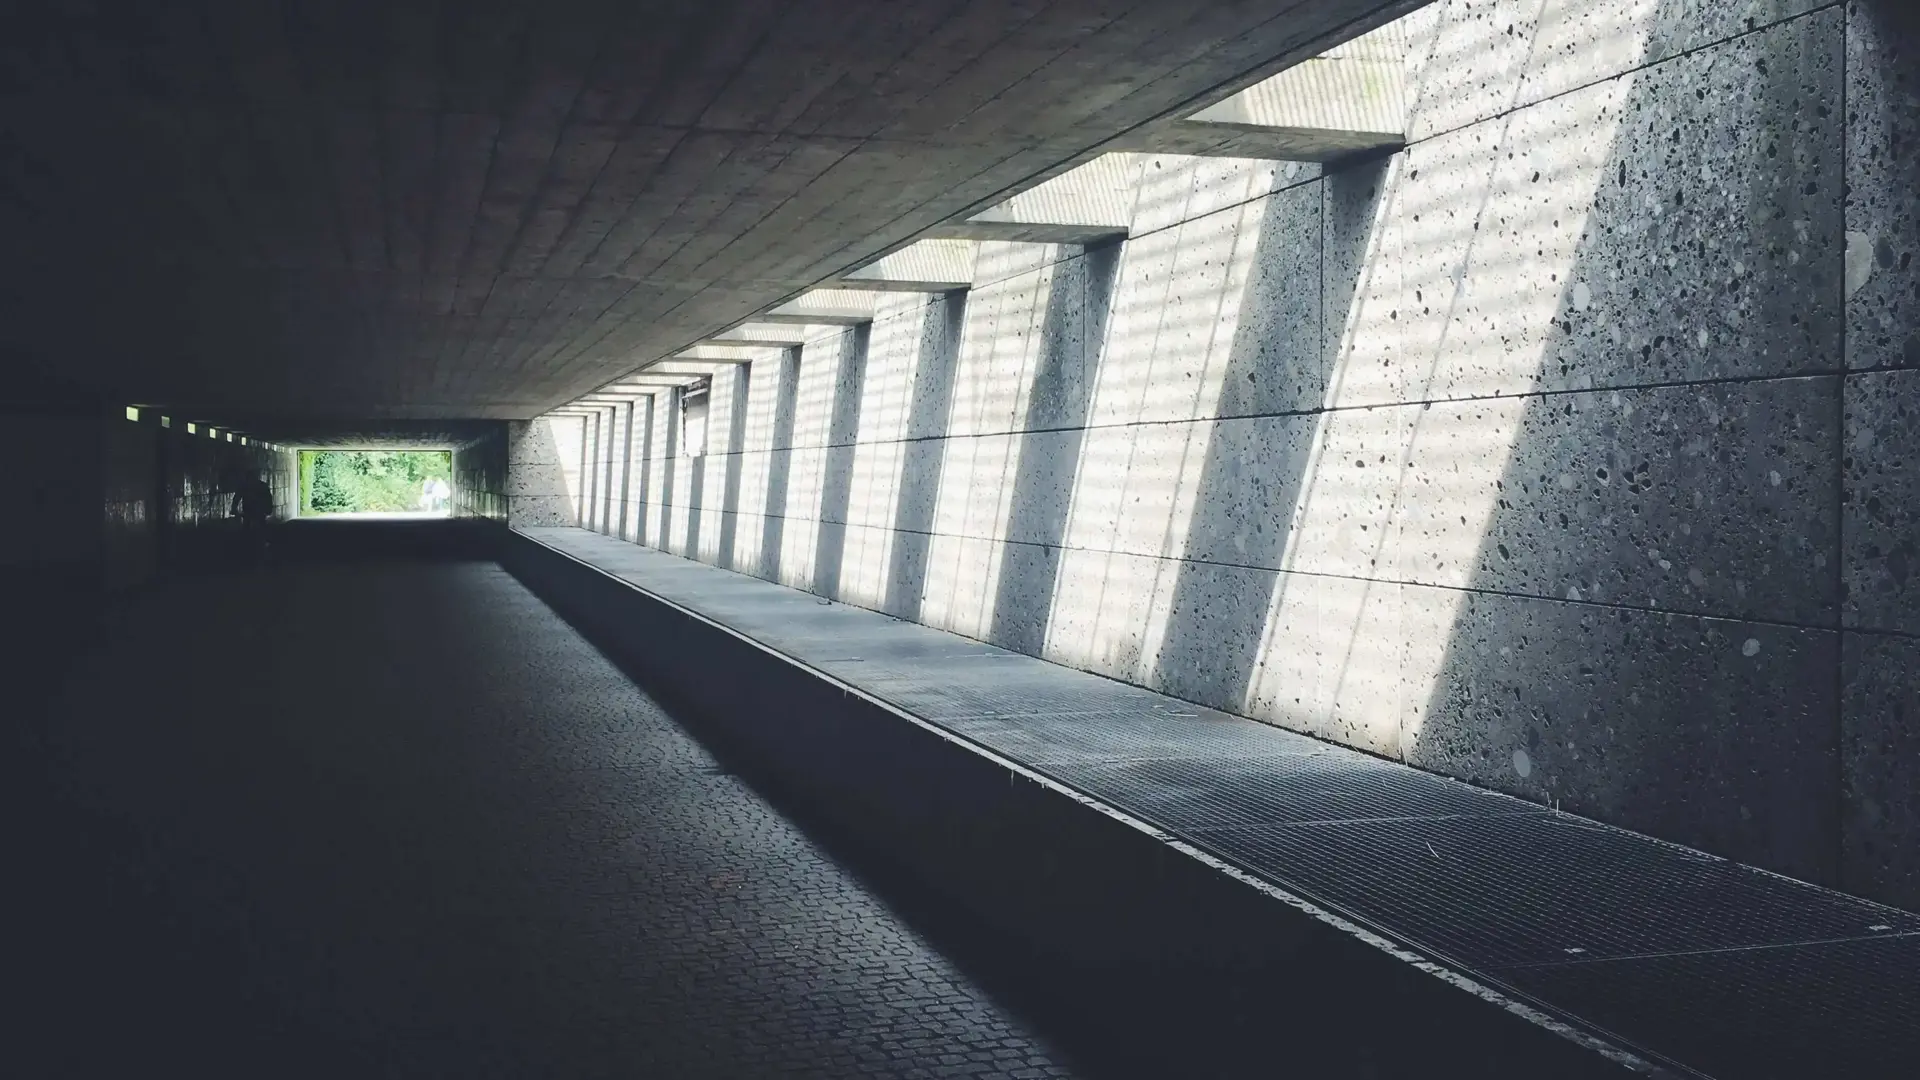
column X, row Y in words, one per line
column 693, row 418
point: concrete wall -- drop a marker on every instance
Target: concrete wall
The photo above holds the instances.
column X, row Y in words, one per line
column 480, row 477
column 543, row 471
column 200, row 474
column 54, row 537
column 108, row 501
column 1880, row 458
column 1570, row 451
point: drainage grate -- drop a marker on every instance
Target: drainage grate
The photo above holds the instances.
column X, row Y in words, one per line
column 1011, row 693
column 864, row 661
column 1732, row 970
column 1217, row 791
column 1055, row 741
column 1513, row 889
column 1761, row 1013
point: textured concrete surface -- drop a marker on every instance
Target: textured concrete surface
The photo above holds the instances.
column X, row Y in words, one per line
column 1655, row 942
column 1881, row 553
column 1589, row 240
column 1472, row 61
column 1879, row 742
column 383, row 817
column 1883, row 224
column 480, row 475
column 543, row 482
column 403, row 210
column 1593, row 339
column 1713, row 499
column 1708, row 729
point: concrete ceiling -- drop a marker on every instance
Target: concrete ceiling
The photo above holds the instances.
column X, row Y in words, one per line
column 361, row 433
column 266, row 214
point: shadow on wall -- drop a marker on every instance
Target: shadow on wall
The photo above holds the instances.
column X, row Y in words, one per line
column 668, row 425
column 740, row 384
column 1448, row 533
column 779, row 463
column 539, row 490
column 1577, row 666
column 1072, row 335
column 1523, row 461
column 1544, row 497
column 943, row 323
column 480, row 476
column 1220, row 601
column 1880, row 730
column 836, row 486
column 640, row 467
column 696, row 488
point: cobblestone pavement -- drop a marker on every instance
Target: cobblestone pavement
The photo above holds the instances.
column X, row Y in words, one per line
column 398, row 819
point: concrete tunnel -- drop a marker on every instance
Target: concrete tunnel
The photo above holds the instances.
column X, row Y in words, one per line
column 1043, row 539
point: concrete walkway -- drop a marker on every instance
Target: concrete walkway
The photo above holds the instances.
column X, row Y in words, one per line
column 394, row 818
column 1685, row 963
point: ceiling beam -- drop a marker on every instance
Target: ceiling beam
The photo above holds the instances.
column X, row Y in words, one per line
column 719, row 355
column 922, row 266
column 839, row 307
column 664, row 380
column 1347, row 101
column 779, row 335
column 1085, row 205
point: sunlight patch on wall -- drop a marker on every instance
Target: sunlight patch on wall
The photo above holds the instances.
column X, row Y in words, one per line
column 660, row 466
column 993, row 381
column 886, row 398
column 569, row 437
column 715, row 462
column 819, row 380
column 1481, row 229
column 763, row 388
column 1175, row 320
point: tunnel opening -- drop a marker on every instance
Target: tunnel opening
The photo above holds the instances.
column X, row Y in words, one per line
column 376, row 483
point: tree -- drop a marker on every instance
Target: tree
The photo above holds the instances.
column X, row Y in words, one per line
column 363, row 481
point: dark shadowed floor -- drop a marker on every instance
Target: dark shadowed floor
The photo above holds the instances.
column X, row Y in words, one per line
column 393, row 817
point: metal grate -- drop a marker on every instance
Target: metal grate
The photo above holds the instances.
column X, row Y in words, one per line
column 1055, row 742
column 1731, row 970
column 1847, row 1009
column 1010, row 694
column 1513, row 889
column 868, row 659
column 1219, row 791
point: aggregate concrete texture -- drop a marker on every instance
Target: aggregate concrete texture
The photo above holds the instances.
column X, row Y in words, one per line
column 1879, row 741
column 1883, row 224
column 543, row 471
column 1882, row 501
column 384, row 817
column 1612, row 351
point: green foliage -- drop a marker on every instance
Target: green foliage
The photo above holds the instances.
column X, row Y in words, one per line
column 363, row 481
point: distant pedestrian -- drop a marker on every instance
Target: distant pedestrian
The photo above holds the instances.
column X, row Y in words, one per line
column 253, row 505
column 437, row 495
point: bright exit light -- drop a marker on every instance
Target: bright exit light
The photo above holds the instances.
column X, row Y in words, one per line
column 414, row 483
column 133, row 412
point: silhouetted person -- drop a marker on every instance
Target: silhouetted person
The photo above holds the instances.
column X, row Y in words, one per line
column 253, row 505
